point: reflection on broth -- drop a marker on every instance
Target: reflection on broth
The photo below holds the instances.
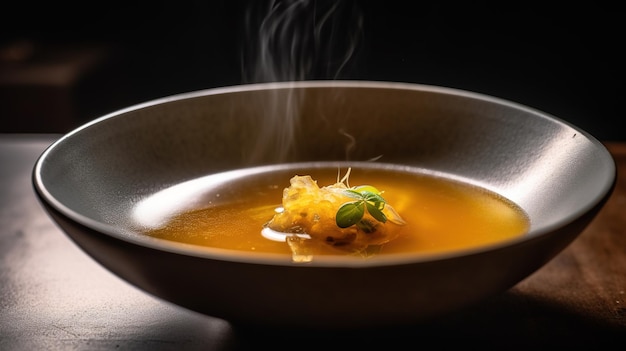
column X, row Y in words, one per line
column 438, row 214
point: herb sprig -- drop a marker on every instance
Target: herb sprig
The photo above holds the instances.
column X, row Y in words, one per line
column 367, row 198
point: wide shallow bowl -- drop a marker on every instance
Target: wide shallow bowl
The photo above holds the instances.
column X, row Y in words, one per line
column 92, row 180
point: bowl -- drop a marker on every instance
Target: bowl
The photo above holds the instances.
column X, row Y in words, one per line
column 95, row 180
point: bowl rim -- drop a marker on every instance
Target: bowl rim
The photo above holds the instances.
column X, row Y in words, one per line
column 320, row 261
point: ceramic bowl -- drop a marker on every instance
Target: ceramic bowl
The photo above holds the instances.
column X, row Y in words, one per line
column 91, row 180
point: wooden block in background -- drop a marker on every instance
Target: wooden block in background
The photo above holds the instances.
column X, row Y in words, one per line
column 41, row 85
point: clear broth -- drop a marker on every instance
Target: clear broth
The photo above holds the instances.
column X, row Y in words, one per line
column 442, row 214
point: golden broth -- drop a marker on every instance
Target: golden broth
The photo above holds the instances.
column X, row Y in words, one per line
column 441, row 214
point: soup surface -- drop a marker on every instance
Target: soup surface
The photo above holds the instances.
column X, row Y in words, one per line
column 231, row 210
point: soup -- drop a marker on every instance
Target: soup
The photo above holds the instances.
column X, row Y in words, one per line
column 232, row 210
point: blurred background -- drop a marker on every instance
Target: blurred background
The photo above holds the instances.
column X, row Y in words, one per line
column 63, row 64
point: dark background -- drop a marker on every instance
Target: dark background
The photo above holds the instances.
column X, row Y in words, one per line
column 63, row 64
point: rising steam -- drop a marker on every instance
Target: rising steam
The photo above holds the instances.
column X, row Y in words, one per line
column 294, row 40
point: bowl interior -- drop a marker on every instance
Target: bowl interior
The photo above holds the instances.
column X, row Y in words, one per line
column 96, row 174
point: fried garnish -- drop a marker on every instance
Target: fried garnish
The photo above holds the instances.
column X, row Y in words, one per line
column 347, row 218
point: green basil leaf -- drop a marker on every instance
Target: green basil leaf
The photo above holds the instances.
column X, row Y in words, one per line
column 376, row 212
column 376, row 198
column 349, row 214
column 366, row 188
column 353, row 194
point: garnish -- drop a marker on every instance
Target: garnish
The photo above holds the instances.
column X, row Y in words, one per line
column 336, row 217
column 367, row 198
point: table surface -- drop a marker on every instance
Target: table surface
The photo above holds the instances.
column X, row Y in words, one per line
column 54, row 296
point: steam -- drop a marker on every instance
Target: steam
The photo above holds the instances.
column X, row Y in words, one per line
column 294, row 40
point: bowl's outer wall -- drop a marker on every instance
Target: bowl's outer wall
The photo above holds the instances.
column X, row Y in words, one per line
column 91, row 178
